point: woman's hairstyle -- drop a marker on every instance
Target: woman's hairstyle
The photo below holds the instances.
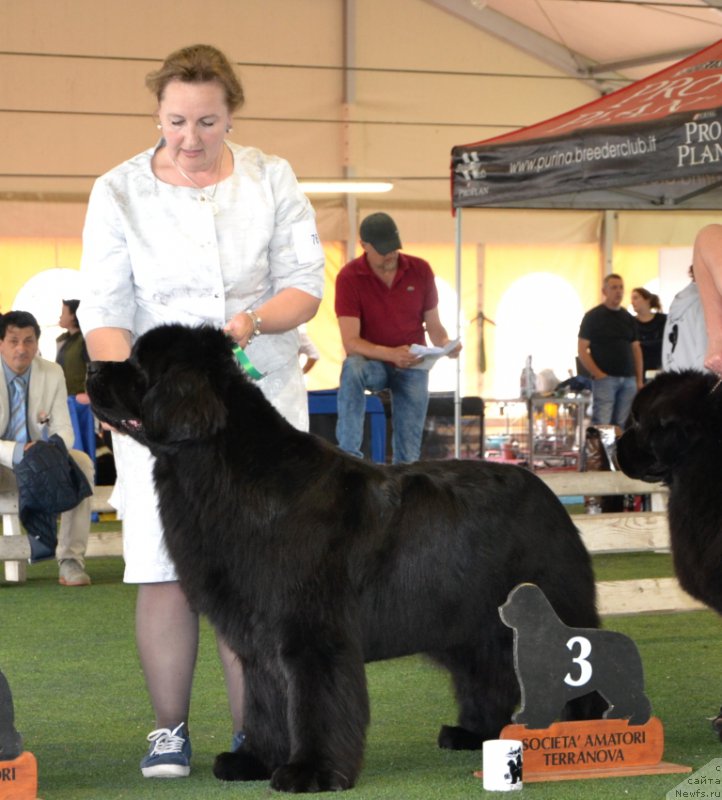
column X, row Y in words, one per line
column 198, row 63
column 72, row 306
column 654, row 302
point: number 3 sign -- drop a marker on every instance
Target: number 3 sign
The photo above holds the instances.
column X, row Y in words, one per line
column 556, row 664
column 582, row 661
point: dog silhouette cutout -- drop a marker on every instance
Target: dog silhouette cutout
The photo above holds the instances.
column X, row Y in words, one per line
column 11, row 743
column 555, row 663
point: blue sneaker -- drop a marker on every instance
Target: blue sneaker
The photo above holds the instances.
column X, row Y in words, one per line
column 237, row 741
column 169, row 755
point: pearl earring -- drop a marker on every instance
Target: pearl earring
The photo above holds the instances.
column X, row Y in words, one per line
column 228, row 130
column 159, row 126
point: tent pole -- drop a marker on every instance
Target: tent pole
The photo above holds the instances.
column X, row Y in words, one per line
column 609, row 223
column 457, row 389
column 349, row 98
column 351, row 223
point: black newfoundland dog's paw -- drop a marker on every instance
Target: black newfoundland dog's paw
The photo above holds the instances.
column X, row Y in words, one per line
column 240, row 766
column 455, row 738
column 308, row 778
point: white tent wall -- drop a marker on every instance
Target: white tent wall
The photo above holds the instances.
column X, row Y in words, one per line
column 73, row 104
column 69, row 116
column 78, row 116
column 432, row 109
column 499, row 226
column 675, row 229
column 73, row 101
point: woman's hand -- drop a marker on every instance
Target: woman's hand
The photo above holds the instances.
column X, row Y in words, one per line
column 713, row 359
column 283, row 312
column 240, row 328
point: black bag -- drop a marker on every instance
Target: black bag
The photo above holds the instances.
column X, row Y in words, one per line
column 596, row 457
column 49, row 482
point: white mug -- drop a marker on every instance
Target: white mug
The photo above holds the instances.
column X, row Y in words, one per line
column 502, row 765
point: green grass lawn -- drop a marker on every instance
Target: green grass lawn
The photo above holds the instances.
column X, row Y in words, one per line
column 628, row 566
column 81, row 705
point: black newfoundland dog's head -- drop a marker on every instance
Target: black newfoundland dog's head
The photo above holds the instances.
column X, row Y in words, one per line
column 172, row 389
column 672, row 416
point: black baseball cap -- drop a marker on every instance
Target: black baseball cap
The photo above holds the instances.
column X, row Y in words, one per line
column 380, row 231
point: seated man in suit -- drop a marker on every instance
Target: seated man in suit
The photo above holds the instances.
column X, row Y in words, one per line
column 33, row 406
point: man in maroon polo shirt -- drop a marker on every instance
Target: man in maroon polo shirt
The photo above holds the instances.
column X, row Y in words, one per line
column 385, row 302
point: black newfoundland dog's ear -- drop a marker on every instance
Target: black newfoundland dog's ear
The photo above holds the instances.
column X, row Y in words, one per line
column 183, row 406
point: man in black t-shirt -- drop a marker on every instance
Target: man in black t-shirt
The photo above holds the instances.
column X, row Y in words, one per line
column 609, row 350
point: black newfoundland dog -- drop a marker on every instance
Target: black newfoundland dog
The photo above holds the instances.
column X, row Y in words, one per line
column 675, row 436
column 311, row 562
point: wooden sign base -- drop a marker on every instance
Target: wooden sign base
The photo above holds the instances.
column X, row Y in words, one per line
column 600, row 748
column 19, row 778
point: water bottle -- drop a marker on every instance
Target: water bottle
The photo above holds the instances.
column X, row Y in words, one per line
column 528, row 380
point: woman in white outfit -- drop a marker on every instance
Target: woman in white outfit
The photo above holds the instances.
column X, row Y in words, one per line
column 195, row 230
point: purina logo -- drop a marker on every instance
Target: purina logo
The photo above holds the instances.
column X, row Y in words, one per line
column 705, row 783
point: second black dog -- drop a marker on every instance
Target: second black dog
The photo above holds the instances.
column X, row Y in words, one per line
column 675, row 436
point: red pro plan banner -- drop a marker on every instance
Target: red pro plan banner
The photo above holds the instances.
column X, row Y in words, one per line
column 662, row 130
